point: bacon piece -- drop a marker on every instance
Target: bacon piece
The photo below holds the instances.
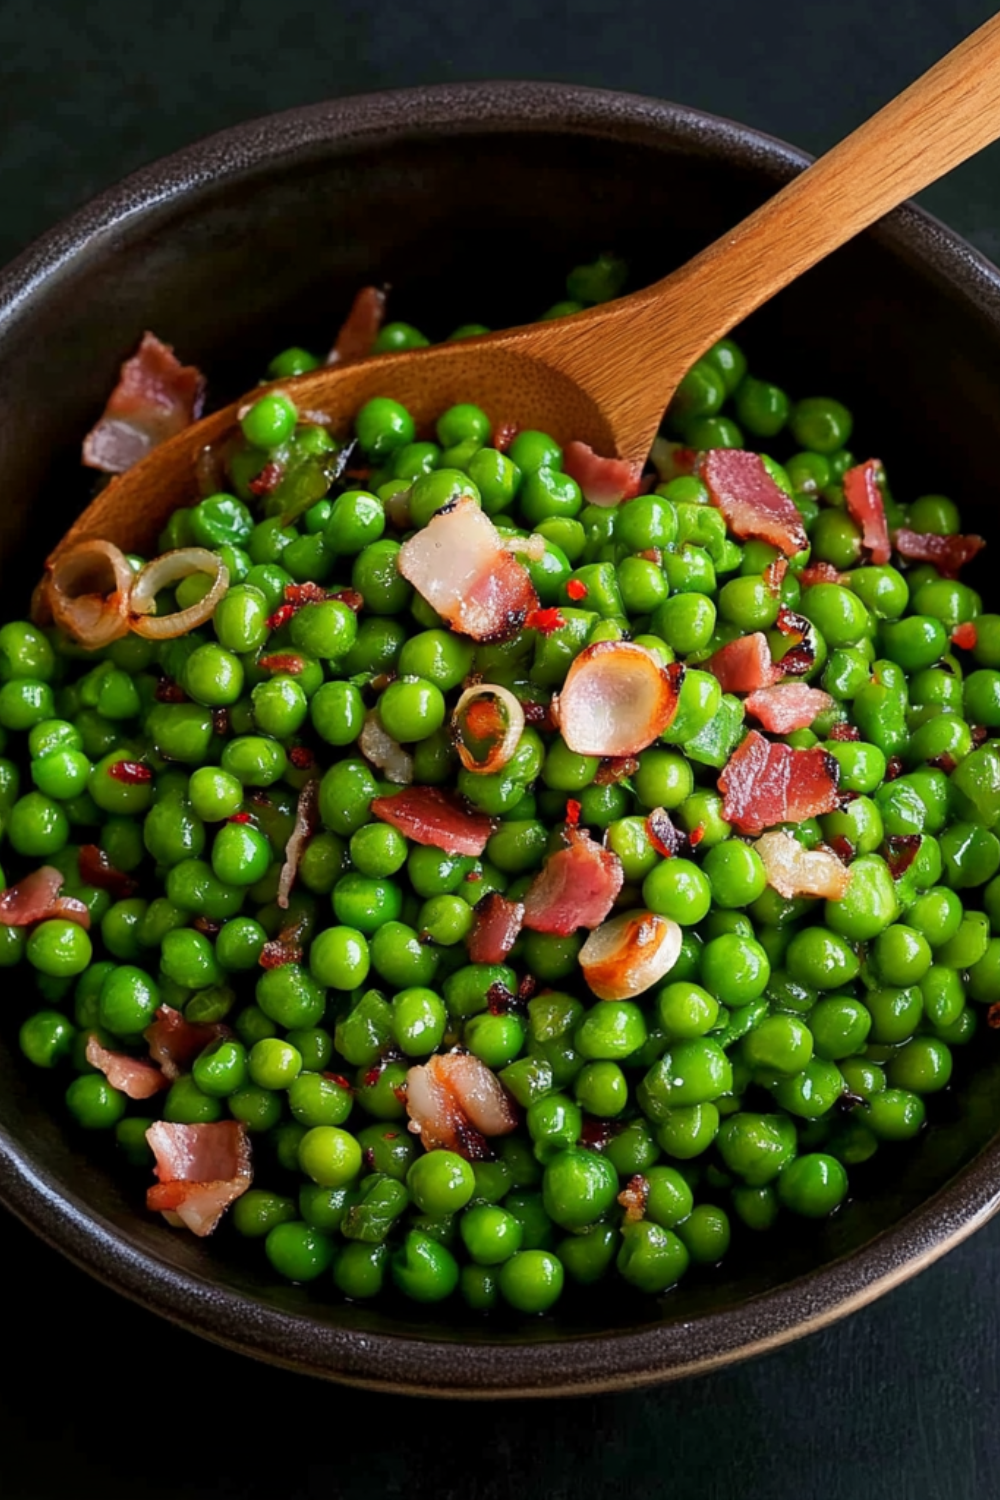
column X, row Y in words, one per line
column 496, row 924
column 787, row 706
column 820, row 572
column 289, row 663
column 794, row 871
column 96, row 869
column 576, row 887
column 360, row 328
column 306, row 821
column 427, row 815
column 616, row 699
column 129, row 1075
column 864, row 505
column 774, row 575
column 627, row 954
column 753, row 505
column 455, row 1103
column 949, row 554
column 459, row 564
column 664, row 837
column 743, row 665
column 175, row 1042
column 899, row 851
column 155, row 398
column 764, row 783
column 36, row 898
column 604, row 481
column 202, row 1170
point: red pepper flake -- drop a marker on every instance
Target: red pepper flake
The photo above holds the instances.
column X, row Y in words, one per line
column 207, row 926
column 373, row 1075
column 573, row 811
column 300, row 594
column 696, row 835
column 993, row 1016
column 653, row 555
column 350, row 597
column 844, row 731
column 840, row 845
column 500, row 1001
column 302, row 758
column 664, row 837
column 400, row 1092
column 893, row 767
column 268, row 479
column 168, row 691
column 774, row 575
column 615, row 768
column 283, row 661
column 965, row 636
column 633, row 1198
column 504, row 434
column 596, row 1134
column 899, row 852
column 281, row 616
column 545, row 621
column 684, row 460
column 129, row 771
column 340, row 1081
column 576, row 588
column 240, row 817
column 527, row 988
column 276, row 954
column 474, row 875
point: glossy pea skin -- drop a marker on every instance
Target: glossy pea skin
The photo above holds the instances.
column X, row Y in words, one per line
column 578, row 1187
column 869, row 905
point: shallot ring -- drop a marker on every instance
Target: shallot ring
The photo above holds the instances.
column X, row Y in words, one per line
column 167, row 569
column 94, row 619
column 502, row 750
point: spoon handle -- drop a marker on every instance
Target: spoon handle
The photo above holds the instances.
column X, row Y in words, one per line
column 947, row 115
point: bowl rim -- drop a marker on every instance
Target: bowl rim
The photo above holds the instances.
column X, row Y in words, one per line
column 414, row 1363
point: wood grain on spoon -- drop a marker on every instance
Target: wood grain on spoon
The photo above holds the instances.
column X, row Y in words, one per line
column 606, row 375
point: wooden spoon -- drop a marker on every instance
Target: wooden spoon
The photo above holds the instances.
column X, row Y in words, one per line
column 605, row 376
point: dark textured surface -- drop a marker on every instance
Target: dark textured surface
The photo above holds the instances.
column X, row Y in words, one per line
column 899, row 1399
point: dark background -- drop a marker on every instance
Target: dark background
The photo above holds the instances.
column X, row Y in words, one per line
column 103, row 1400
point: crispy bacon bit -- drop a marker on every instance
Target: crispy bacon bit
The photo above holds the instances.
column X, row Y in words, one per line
column 821, row 572
column 753, row 505
column 174, row 1041
column 220, row 721
column 627, row 954
column 800, row 658
column 993, row 1016
column 277, row 953
column 455, row 1103
column 286, row 662
column 774, row 575
column 129, row 1075
column 949, row 554
column 743, row 665
column 576, row 588
column 36, row 898
column 604, row 481
column 428, row 815
column 576, row 887
column 360, row 328
column 300, row 594
column 980, row 734
column 841, row 846
column 864, row 504
column 545, row 621
column 573, row 811
column 340, row 1081
column 130, row 771
column 499, row 999
column 504, row 434
column 634, row 1197
column 168, row 691
column 615, row 769
column 268, row 479
column 96, row 869
column 844, row 731
column 302, row 758
column 696, row 835
column 899, row 851
column 787, row 706
column 496, row 924
column 616, row 699
column 945, row 763
column 538, row 714
column 595, row 1134
column 965, row 636
column 207, row 926
column 764, row 783
column 350, row 597
column 459, row 564
column 526, row 988
column 794, row 871
column 202, row 1170
column 893, row 767
column 306, row 821
column 664, row 837
column 281, row 616
column 155, row 398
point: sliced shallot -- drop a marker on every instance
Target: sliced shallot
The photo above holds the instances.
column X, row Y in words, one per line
column 459, row 564
column 616, row 699
column 491, row 713
column 455, row 1102
column 88, row 590
column 378, row 746
column 794, row 871
column 164, row 571
column 360, row 328
column 629, row 953
column 306, row 819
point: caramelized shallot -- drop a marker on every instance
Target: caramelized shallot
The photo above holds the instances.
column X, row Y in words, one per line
column 164, row 571
column 88, row 589
column 455, row 1103
column 795, row 871
column 616, row 699
column 490, row 713
column 385, row 753
column 626, row 955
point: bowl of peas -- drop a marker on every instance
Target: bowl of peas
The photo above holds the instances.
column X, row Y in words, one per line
column 470, row 929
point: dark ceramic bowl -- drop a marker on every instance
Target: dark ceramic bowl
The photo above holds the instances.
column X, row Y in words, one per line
column 473, row 201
